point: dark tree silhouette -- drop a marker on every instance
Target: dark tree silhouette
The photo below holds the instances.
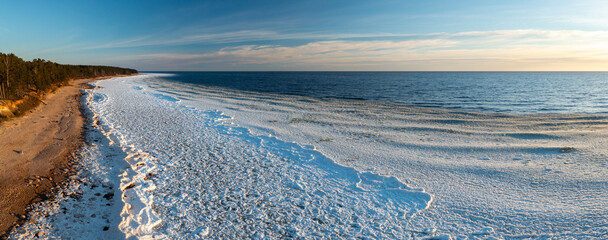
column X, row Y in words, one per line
column 18, row 77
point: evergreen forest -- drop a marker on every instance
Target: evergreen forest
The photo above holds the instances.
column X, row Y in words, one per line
column 19, row 77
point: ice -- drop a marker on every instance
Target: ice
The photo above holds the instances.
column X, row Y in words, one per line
column 165, row 97
column 483, row 170
column 195, row 173
column 484, row 231
column 440, row 237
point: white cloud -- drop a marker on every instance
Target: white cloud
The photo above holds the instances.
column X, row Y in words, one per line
column 482, row 50
column 235, row 37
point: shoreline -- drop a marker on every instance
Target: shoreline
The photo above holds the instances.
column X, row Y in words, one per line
column 470, row 164
column 39, row 151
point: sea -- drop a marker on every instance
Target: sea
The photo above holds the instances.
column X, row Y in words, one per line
column 501, row 92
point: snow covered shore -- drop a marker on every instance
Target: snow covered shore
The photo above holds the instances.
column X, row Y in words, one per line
column 184, row 161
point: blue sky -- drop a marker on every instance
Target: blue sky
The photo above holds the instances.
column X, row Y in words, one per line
column 311, row 35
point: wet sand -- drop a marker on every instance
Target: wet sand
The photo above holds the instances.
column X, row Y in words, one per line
column 37, row 151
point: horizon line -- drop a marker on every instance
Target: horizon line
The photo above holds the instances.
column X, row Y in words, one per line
column 481, row 71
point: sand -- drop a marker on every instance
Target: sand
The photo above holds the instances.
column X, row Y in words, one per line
column 36, row 152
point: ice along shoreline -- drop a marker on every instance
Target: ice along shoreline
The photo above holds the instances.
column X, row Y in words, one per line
column 482, row 168
column 142, row 218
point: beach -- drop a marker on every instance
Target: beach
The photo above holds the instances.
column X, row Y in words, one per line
column 206, row 162
column 38, row 150
column 421, row 120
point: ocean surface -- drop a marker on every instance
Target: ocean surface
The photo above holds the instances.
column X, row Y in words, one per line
column 510, row 92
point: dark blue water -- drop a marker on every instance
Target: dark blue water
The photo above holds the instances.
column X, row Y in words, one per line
column 515, row 92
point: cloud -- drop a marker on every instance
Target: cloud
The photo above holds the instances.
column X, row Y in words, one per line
column 124, row 43
column 234, row 37
column 264, row 35
column 481, row 50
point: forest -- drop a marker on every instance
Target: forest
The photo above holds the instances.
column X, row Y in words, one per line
column 18, row 78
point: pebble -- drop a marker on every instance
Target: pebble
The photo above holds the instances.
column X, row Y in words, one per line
column 567, row 150
column 108, row 196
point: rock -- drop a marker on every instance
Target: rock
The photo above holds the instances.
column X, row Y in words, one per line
column 75, row 196
column 43, row 197
column 148, row 176
column 129, row 186
column 18, row 151
column 106, row 228
column 567, row 150
column 108, row 196
column 40, row 234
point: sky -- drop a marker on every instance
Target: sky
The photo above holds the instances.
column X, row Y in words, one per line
column 312, row 35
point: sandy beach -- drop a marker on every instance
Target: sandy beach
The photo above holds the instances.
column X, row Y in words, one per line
column 37, row 151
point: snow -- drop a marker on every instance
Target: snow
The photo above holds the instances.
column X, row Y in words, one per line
column 201, row 162
column 88, row 206
column 501, row 171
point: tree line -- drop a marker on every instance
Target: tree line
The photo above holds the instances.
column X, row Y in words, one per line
column 19, row 77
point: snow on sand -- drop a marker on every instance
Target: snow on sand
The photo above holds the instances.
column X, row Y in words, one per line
column 194, row 174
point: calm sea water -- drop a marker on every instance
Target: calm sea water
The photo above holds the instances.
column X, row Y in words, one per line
column 515, row 92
